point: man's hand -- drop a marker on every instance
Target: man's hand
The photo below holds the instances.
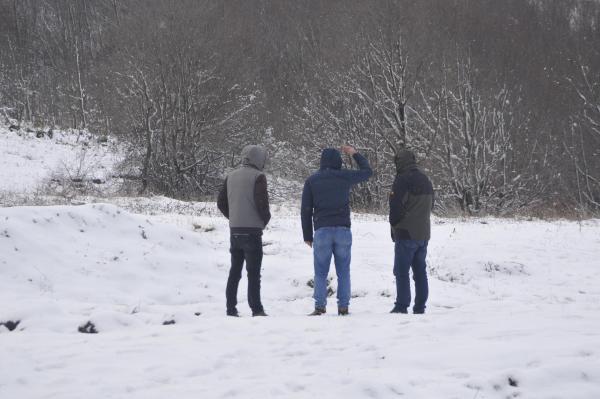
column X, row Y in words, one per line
column 348, row 150
column 309, row 243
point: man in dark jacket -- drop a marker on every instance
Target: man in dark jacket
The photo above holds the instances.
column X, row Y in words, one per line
column 411, row 202
column 244, row 200
column 326, row 203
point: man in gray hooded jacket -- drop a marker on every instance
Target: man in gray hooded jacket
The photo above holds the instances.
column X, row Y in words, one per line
column 244, row 200
column 411, row 203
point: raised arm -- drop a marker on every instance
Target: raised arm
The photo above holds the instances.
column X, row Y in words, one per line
column 364, row 169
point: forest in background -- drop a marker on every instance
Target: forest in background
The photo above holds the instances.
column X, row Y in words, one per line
column 499, row 99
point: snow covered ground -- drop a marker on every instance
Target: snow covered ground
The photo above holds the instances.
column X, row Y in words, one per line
column 514, row 308
column 514, row 311
column 27, row 161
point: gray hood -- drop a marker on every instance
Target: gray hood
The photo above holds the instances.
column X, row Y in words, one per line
column 405, row 160
column 254, row 155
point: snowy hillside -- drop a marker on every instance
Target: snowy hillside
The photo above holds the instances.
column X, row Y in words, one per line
column 31, row 159
column 36, row 167
column 513, row 312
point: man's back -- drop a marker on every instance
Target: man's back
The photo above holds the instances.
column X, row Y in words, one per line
column 326, row 194
column 411, row 203
column 411, row 200
column 331, row 197
column 244, row 198
column 240, row 196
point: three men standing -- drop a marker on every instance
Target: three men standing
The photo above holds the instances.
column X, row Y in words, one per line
column 326, row 204
column 244, row 200
column 411, row 202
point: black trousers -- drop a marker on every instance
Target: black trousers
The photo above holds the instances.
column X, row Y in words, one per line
column 245, row 247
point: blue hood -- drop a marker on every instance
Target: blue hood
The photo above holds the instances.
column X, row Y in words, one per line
column 331, row 158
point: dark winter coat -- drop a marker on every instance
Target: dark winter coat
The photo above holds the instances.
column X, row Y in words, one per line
column 326, row 194
column 244, row 199
column 411, row 200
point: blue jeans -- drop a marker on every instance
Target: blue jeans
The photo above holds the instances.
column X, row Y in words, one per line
column 411, row 254
column 336, row 241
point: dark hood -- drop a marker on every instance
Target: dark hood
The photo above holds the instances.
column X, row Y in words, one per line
column 254, row 155
column 331, row 158
column 405, row 160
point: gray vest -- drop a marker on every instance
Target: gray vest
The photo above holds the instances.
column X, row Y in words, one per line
column 240, row 196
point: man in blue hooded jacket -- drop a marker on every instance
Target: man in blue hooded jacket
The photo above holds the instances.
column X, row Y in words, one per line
column 326, row 204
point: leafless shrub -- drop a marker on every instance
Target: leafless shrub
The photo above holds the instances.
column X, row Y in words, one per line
column 74, row 178
column 581, row 142
column 472, row 146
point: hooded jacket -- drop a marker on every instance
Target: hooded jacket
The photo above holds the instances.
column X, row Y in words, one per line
column 326, row 194
column 244, row 199
column 411, row 200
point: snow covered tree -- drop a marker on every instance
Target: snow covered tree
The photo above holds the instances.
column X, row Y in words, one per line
column 472, row 148
column 582, row 140
column 187, row 118
column 368, row 107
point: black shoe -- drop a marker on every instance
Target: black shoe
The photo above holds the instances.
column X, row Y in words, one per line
column 399, row 310
column 343, row 312
column 318, row 312
column 419, row 311
column 261, row 313
column 233, row 313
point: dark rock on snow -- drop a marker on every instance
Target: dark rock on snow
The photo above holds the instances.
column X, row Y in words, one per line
column 11, row 325
column 88, row 328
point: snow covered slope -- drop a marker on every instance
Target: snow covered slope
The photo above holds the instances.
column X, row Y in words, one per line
column 28, row 161
column 514, row 311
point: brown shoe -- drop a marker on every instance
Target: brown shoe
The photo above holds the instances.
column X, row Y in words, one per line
column 343, row 311
column 318, row 312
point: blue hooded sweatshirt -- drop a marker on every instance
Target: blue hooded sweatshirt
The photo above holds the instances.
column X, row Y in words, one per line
column 326, row 194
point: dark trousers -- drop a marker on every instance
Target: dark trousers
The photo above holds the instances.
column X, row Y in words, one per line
column 411, row 254
column 245, row 247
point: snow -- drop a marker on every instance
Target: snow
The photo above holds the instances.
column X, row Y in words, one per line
column 27, row 162
column 511, row 302
column 513, row 310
